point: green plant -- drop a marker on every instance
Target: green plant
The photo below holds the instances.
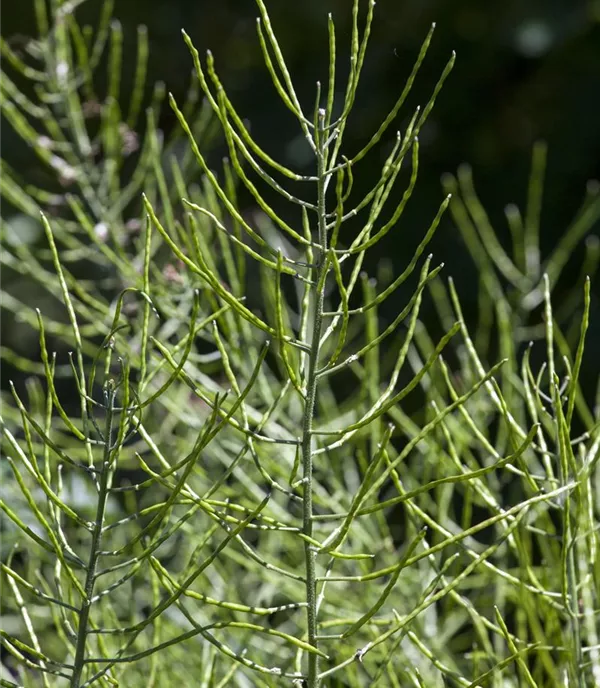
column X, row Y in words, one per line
column 213, row 506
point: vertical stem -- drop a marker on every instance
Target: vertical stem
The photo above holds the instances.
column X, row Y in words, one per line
column 319, row 274
column 577, row 659
column 90, row 579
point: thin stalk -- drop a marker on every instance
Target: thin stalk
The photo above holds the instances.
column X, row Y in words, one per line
column 319, row 275
column 104, row 490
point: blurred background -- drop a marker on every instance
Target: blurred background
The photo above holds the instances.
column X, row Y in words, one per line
column 526, row 70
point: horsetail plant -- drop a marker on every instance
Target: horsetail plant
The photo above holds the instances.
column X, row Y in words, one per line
column 239, row 495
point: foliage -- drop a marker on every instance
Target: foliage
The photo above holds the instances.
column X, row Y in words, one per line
column 239, row 493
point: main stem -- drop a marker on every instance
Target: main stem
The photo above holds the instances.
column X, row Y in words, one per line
column 90, row 579
column 319, row 273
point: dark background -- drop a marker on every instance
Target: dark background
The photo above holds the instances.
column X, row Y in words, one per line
column 525, row 70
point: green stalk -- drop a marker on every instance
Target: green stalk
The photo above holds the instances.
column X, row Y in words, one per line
column 319, row 275
column 90, row 579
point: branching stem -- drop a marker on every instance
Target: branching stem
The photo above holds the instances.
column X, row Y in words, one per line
column 319, row 275
column 95, row 548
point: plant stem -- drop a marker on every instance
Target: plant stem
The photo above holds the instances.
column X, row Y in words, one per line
column 84, row 612
column 319, row 274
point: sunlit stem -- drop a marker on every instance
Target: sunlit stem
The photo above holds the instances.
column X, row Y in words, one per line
column 319, row 274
